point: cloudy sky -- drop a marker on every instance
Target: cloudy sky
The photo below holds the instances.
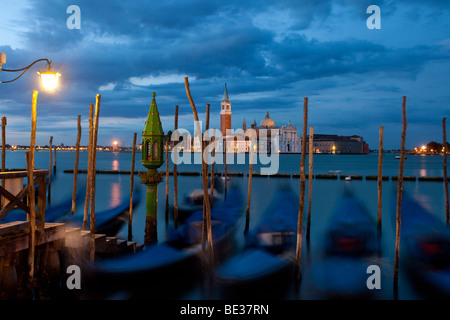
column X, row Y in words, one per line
column 271, row 54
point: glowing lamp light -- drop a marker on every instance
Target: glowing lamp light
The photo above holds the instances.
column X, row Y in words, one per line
column 116, row 142
column 49, row 79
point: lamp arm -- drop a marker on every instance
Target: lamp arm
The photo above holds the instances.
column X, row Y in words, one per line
column 28, row 67
column 15, row 78
column 25, row 69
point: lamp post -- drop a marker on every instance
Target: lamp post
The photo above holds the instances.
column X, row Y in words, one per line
column 49, row 81
column 49, row 78
column 152, row 159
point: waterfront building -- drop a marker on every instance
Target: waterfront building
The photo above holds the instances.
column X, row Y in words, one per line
column 288, row 141
column 225, row 113
column 285, row 137
column 331, row 143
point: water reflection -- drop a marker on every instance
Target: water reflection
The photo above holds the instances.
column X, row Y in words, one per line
column 115, row 164
column 423, row 172
column 116, row 194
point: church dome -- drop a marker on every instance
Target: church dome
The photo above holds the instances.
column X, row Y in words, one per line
column 267, row 122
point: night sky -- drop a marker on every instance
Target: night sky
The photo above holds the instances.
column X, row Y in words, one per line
column 271, row 54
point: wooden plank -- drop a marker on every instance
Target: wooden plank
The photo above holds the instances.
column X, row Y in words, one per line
column 405, row 178
column 13, row 227
column 352, row 176
column 122, row 244
column 111, row 241
column 73, row 238
column 139, row 247
column 21, row 239
column 326, row 176
column 372, row 177
column 100, row 242
column 280, row 175
column 14, row 201
column 14, row 243
column 85, row 236
column 131, row 245
column 52, row 232
column 22, row 174
column 440, row 179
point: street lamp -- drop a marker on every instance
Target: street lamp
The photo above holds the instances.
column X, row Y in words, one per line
column 48, row 77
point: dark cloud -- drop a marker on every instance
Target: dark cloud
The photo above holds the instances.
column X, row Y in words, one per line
column 267, row 62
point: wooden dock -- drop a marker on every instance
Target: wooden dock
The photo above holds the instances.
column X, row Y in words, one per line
column 59, row 247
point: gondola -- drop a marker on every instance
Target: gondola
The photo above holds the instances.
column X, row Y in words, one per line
column 267, row 260
column 52, row 212
column 194, row 200
column 425, row 240
column 168, row 269
column 350, row 241
column 108, row 221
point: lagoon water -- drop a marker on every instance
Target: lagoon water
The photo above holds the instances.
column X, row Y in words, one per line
column 325, row 193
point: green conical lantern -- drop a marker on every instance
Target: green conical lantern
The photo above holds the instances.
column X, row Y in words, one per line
column 152, row 159
column 153, row 139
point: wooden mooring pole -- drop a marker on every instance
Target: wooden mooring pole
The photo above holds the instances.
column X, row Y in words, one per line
column 32, row 216
column 249, row 187
column 399, row 197
column 49, row 195
column 93, row 175
column 444, row 165
column 130, row 215
column 302, row 190
column 205, row 177
column 167, row 178
column 310, row 179
column 75, row 171
column 206, row 218
column 175, row 176
column 380, row 179
column 3, row 154
column 225, row 166
column 89, row 170
column 32, row 219
column 213, row 160
column 54, row 159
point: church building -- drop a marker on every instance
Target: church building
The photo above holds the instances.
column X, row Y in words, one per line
column 288, row 140
column 285, row 137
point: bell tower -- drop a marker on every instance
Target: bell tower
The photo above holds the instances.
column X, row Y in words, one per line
column 225, row 113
